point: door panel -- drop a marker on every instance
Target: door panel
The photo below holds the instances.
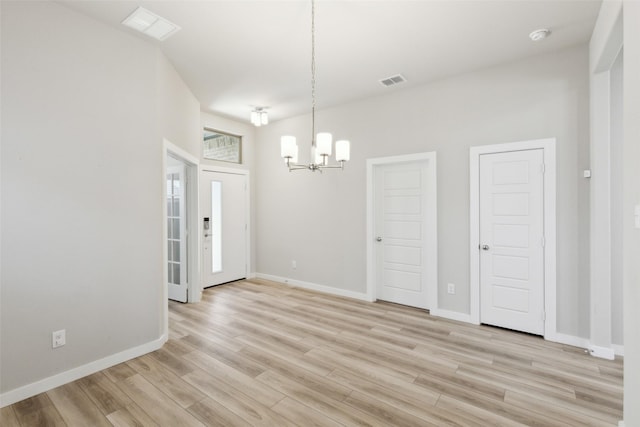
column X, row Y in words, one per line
column 224, row 251
column 400, row 215
column 511, row 240
column 176, row 233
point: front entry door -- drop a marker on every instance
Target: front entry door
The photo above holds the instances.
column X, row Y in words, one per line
column 401, row 224
column 512, row 240
column 224, row 218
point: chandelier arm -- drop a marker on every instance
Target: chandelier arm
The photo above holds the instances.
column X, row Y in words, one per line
column 296, row 166
column 340, row 166
column 313, row 167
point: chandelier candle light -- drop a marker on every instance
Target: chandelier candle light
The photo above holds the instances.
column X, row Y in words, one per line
column 322, row 142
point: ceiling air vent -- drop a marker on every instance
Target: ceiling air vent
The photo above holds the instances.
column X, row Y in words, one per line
column 150, row 24
column 393, row 80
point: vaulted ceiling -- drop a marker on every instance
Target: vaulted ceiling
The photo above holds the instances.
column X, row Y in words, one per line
column 235, row 54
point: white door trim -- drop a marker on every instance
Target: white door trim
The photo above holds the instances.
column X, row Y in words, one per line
column 605, row 47
column 549, row 149
column 247, row 204
column 432, row 199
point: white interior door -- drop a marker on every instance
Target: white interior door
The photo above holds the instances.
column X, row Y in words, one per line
column 176, row 232
column 224, row 214
column 400, row 222
column 512, row 240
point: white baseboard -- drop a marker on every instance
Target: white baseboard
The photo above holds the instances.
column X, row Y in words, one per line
column 595, row 351
column 29, row 390
column 618, row 349
column 451, row 315
column 315, row 287
column 567, row 339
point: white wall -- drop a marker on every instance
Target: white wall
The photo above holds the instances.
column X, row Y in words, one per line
column 319, row 220
column 83, row 120
column 631, row 236
column 178, row 108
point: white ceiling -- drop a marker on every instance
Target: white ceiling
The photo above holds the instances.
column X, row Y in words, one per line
column 236, row 53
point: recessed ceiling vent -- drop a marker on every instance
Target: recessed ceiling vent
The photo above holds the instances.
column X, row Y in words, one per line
column 393, row 80
column 150, row 24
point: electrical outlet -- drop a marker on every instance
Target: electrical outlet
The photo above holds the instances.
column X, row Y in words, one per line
column 451, row 288
column 294, row 264
column 59, row 338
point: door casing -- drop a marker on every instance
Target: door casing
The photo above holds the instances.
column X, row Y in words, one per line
column 430, row 221
column 548, row 146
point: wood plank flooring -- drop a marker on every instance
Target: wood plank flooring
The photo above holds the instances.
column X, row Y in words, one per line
column 257, row 353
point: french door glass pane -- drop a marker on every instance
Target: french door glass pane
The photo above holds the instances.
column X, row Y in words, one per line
column 176, row 206
column 176, row 228
column 176, row 273
column 176, row 251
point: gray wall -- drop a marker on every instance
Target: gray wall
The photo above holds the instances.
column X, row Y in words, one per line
column 631, row 196
column 319, row 220
column 83, row 119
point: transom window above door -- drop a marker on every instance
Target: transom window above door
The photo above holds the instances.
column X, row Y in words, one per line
column 221, row 146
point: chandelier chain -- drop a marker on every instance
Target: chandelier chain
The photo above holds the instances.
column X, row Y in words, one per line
column 313, row 73
column 319, row 153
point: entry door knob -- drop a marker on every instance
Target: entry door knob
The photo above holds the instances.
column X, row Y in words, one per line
column 378, row 239
column 485, row 247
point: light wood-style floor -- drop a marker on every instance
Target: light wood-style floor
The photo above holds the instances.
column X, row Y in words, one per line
column 264, row 354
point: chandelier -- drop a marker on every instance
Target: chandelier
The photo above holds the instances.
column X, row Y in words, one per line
column 321, row 143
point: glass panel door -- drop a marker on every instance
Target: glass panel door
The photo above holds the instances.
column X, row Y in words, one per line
column 176, row 233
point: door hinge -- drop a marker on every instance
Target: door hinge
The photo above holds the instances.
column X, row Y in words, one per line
column 542, row 241
column 542, row 168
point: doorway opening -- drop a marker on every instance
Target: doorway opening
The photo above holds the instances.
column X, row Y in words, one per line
column 180, row 201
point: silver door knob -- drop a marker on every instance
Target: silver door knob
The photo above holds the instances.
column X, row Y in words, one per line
column 485, row 247
column 378, row 239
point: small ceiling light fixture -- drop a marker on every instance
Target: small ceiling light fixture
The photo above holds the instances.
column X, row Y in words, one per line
column 259, row 116
column 150, row 24
column 539, row 35
column 321, row 143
